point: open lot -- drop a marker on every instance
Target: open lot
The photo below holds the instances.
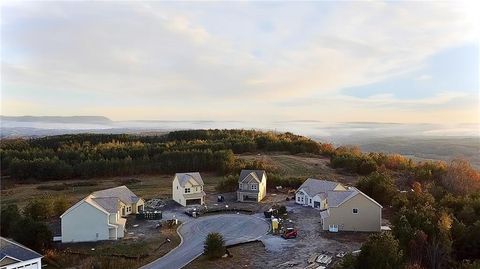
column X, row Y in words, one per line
column 272, row 251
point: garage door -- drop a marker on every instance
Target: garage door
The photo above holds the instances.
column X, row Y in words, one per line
column 194, row 201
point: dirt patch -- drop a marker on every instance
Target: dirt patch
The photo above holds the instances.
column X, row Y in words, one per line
column 243, row 256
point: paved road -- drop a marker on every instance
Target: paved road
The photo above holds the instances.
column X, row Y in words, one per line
column 234, row 228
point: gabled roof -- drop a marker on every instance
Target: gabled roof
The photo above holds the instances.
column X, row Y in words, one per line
column 122, row 192
column 337, row 198
column 315, row 186
column 87, row 200
column 247, row 176
column 110, row 204
column 183, row 178
column 108, row 201
column 12, row 250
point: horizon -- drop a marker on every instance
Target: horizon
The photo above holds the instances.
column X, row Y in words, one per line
column 243, row 61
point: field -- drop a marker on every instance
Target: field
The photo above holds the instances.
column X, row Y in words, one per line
column 303, row 166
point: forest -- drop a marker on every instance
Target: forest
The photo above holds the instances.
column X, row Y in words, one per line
column 435, row 205
column 98, row 155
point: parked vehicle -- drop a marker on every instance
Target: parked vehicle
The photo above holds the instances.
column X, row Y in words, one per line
column 289, row 233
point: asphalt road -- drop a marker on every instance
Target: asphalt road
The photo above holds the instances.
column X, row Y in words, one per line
column 234, row 228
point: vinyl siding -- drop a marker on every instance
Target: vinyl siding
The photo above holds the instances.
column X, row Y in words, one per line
column 83, row 223
column 368, row 219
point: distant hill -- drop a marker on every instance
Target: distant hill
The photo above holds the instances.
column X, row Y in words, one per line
column 58, row 119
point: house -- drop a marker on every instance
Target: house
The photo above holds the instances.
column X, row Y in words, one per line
column 313, row 192
column 351, row 210
column 14, row 255
column 341, row 208
column 99, row 216
column 252, row 186
column 187, row 189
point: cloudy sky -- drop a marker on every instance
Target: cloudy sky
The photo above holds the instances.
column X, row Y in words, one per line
column 348, row 61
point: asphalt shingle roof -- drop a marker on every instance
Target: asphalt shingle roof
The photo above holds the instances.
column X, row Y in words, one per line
column 249, row 175
column 122, row 192
column 17, row 251
column 110, row 204
column 183, row 178
column 315, row 186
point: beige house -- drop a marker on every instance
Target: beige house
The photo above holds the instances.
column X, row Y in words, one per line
column 187, row 189
column 99, row 216
column 341, row 208
column 252, row 186
column 15, row 256
column 351, row 210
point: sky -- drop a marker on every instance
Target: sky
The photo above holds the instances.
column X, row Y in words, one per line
column 406, row 62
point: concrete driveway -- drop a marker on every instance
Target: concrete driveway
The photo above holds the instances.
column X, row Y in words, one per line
column 234, row 228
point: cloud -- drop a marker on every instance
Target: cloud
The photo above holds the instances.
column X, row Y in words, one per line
column 217, row 55
column 423, row 77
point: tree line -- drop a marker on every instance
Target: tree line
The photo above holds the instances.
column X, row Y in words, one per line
column 98, row 155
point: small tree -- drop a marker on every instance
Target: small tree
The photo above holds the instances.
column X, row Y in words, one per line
column 38, row 209
column 214, row 246
column 60, row 205
column 381, row 251
column 9, row 216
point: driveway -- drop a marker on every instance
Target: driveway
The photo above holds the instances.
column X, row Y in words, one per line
column 234, row 228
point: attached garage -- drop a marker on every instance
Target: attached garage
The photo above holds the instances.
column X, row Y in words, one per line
column 194, row 201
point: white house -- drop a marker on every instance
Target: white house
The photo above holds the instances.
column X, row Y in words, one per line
column 313, row 192
column 99, row 216
column 15, row 256
column 252, row 186
column 187, row 189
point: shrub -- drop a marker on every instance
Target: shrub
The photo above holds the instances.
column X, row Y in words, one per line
column 228, row 184
column 379, row 186
column 381, row 251
column 214, row 246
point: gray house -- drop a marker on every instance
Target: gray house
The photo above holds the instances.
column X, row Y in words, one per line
column 252, row 186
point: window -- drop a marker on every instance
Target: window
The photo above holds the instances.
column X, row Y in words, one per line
column 254, row 186
column 355, row 211
column 177, row 187
column 187, row 190
column 310, row 201
column 298, row 198
column 240, row 186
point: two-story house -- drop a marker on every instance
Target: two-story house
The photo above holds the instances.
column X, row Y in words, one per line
column 99, row 216
column 252, row 186
column 187, row 189
column 341, row 208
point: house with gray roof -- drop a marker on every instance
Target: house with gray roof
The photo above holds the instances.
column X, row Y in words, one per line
column 100, row 215
column 14, row 255
column 252, row 186
column 187, row 189
column 313, row 192
column 341, row 208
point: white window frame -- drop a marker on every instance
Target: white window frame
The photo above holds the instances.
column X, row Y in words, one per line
column 355, row 209
column 253, row 187
column 187, row 190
